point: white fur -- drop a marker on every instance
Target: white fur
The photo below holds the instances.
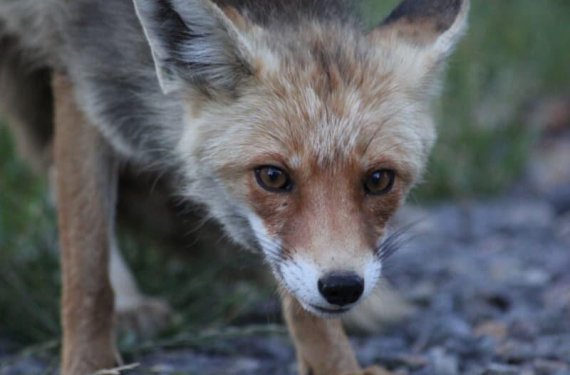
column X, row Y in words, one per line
column 301, row 275
column 270, row 246
column 372, row 272
column 446, row 42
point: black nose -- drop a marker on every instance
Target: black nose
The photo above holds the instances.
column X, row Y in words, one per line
column 341, row 288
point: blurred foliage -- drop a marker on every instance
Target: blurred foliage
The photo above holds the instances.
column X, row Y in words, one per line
column 203, row 294
column 29, row 274
column 516, row 52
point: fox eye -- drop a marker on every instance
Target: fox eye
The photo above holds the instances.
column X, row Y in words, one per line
column 380, row 182
column 273, row 179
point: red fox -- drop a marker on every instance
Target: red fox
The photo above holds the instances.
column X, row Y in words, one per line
column 299, row 131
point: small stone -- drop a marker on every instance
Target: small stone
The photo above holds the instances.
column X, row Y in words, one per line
column 493, row 329
column 563, row 227
column 558, row 296
column 376, row 370
column 413, row 361
column 553, row 346
column 536, row 277
column 546, row 367
column 443, row 362
column 500, row 369
column 524, row 328
column 162, row 368
column 423, row 292
column 548, row 169
column 559, row 198
column 401, row 360
column 515, row 351
column 453, row 326
column 551, row 115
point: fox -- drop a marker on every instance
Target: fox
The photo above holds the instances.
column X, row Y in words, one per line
column 297, row 129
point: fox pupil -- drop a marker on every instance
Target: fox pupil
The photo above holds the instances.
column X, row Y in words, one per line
column 274, row 174
column 380, row 182
column 377, row 178
column 273, row 179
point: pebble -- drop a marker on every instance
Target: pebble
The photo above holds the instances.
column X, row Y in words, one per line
column 491, row 285
column 501, row 369
column 497, row 330
column 444, row 363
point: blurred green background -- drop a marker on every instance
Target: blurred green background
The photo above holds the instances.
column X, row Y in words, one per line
column 516, row 52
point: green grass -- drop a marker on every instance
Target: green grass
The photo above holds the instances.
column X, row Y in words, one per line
column 204, row 296
column 515, row 53
column 29, row 276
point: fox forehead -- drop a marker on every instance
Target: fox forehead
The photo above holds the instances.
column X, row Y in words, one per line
column 327, row 104
column 318, row 106
column 297, row 126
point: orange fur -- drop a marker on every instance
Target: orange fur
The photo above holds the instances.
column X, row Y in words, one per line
column 85, row 190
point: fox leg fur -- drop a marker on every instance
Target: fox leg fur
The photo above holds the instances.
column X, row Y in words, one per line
column 86, row 187
column 321, row 344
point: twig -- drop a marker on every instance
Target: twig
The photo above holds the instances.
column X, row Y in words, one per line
column 117, row 370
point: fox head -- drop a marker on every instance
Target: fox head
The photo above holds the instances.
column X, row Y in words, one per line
column 304, row 138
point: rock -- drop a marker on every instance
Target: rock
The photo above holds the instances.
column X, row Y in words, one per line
column 559, row 198
column 511, row 216
column 25, row 367
column 551, row 115
column 401, row 361
column 549, row 161
column 557, row 296
column 422, row 293
column 553, row 346
column 500, row 369
column 497, row 330
column 443, row 362
column 516, row 351
column 563, row 228
column 547, row 367
column 491, row 288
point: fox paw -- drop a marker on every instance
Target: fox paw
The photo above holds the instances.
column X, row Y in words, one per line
column 374, row 370
column 145, row 317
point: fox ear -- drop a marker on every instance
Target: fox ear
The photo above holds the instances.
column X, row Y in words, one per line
column 421, row 34
column 435, row 25
column 194, row 45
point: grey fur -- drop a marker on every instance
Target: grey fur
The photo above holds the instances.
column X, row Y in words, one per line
column 192, row 42
column 441, row 13
column 276, row 13
column 102, row 46
column 26, row 101
column 104, row 51
column 36, row 25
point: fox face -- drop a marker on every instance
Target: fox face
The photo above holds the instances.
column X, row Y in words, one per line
column 303, row 139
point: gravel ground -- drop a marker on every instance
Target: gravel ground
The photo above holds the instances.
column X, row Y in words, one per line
column 491, row 283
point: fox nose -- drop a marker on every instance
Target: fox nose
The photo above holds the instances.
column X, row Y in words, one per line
column 341, row 288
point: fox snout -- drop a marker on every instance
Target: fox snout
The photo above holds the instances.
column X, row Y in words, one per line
column 326, row 290
column 341, row 289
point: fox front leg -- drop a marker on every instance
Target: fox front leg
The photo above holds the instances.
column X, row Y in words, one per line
column 321, row 344
column 86, row 186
